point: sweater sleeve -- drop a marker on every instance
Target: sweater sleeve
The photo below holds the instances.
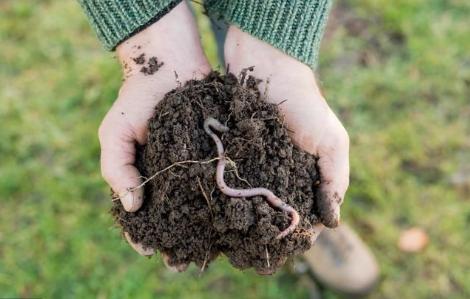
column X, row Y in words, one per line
column 292, row 26
column 116, row 20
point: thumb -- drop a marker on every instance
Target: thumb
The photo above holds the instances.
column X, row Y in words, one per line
column 117, row 165
column 333, row 163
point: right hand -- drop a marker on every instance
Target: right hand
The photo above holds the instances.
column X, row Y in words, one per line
column 313, row 126
column 174, row 40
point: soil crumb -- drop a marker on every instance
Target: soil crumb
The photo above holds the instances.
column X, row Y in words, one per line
column 153, row 66
column 139, row 59
column 185, row 215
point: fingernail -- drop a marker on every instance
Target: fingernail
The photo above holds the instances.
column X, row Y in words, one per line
column 131, row 199
column 138, row 247
column 177, row 269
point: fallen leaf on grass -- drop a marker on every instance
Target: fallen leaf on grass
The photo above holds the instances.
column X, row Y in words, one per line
column 413, row 240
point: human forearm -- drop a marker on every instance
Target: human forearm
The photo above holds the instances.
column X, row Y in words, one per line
column 116, row 20
column 295, row 27
column 173, row 40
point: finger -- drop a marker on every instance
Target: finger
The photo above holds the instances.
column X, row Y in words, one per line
column 316, row 231
column 333, row 163
column 139, row 247
column 265, row 272
column 174, row 268
column 117, row 165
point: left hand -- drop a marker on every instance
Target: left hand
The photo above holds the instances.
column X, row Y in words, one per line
column 174, row 40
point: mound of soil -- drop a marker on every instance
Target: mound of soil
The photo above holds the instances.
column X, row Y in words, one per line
column 184, row 213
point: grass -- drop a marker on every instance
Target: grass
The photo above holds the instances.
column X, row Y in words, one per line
column 397, row 73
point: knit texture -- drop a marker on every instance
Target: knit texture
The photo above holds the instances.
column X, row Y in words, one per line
column 293, row 26
column 116, row 20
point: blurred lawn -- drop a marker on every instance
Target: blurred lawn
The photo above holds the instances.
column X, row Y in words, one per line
column 397, row 73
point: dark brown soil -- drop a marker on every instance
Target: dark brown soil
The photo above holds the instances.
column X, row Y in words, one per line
column 185, row 215
column 139, row 59
column 153, row 66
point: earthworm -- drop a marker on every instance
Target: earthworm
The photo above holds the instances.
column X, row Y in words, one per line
column 275, row 201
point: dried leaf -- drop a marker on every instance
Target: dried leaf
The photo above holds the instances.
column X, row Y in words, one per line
column 413, row 240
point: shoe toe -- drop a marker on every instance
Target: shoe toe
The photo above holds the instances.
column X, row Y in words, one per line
column 342, row 261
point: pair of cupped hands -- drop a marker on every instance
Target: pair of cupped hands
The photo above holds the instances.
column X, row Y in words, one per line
column 174, row 39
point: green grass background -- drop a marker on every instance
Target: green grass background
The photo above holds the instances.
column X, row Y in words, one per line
column 396, row 72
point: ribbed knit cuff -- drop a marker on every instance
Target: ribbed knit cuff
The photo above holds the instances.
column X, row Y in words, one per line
column 292, row 26
column 116, row 20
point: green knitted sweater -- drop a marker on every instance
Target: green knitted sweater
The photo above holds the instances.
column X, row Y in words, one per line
column 292, row 26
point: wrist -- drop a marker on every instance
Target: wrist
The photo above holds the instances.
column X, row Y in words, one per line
column 294, row 27
column 173, row 40
column 243, row 50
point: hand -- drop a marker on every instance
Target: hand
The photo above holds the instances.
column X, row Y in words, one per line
column 315, row 128
column 174, row 40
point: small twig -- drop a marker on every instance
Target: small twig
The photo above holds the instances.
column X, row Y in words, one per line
column 267, row 256
column 207, row 255
column 181, row 163
column 210, row 195
column 174, row 165
column 199, row 103
column 177, row 79
column 206, row 197
column 275, row 201
column 162, row 115
column 252, row 116
column 228, row 117
column 203, row 266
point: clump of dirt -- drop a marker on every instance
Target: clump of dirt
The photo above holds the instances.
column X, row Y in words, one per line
column 139, row 59
column 185, row 215
column 153, row 66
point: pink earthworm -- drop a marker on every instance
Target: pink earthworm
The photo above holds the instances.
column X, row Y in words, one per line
column 275, row 201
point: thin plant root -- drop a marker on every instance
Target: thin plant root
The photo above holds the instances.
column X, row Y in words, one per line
column 181, row 163
column 275, row 201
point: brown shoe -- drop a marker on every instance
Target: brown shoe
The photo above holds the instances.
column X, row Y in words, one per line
column 340, row 260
